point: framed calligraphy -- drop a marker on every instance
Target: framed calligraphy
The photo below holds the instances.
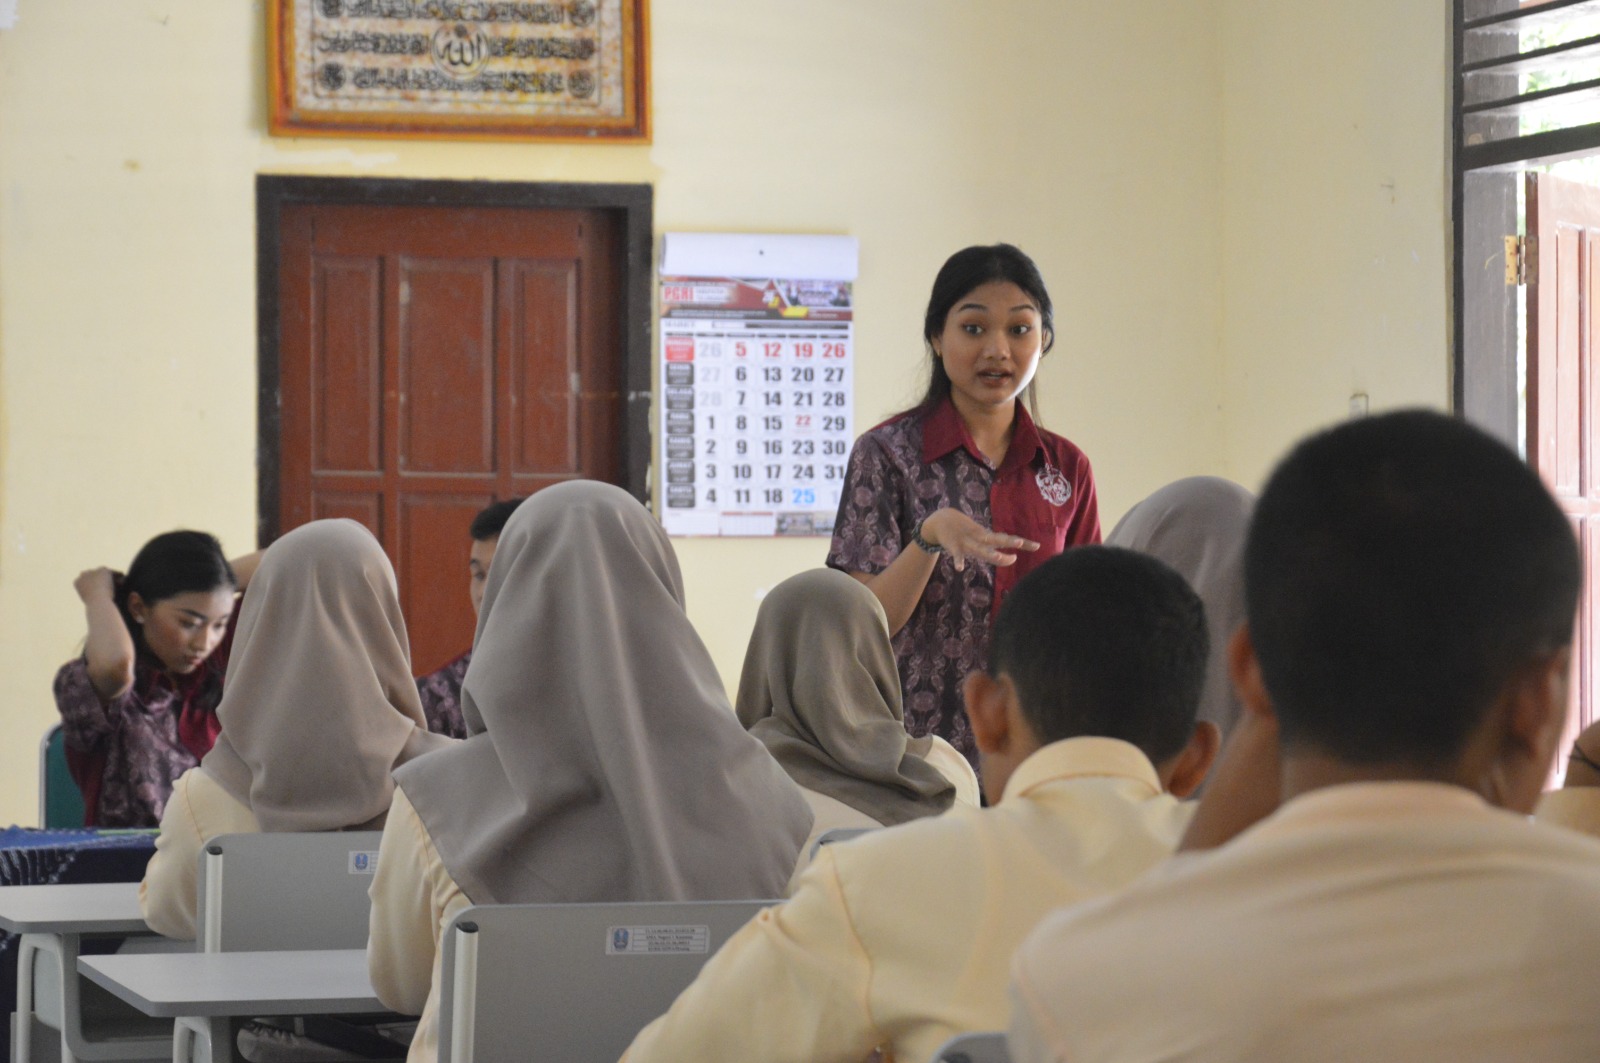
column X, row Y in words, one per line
column 508, row 69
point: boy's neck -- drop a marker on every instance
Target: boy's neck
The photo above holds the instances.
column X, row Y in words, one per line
column 1304, row 772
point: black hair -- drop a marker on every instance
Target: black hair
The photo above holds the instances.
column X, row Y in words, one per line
column 1102, row 641
column 1399, row 572
column 174, row 563
column 491, row 520
column 967, row 269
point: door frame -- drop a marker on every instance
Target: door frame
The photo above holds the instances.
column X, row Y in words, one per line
column 633, row 204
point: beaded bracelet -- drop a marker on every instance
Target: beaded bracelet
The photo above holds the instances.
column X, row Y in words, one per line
column 927, row 547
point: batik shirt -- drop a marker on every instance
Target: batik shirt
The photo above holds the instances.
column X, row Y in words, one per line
column 441, row 697
column 908, row 468
column 126, row 754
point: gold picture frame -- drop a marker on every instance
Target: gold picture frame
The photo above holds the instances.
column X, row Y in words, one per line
column 564, row 70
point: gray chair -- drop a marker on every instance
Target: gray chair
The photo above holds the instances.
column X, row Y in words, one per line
column 974, row 1048
column 574, row 982
column 276, row 893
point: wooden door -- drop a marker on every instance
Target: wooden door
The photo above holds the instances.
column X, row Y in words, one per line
column 433, row 360
column 1564, row 394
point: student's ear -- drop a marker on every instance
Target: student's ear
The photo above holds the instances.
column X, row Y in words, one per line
column 1245, row 671
column 1189, row 769
column 1247, row 784
column 1535, row 716
column 985, row 697
column 136, row 608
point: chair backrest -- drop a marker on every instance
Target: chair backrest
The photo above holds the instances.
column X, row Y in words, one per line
column 60, row 800
column 272, row 892
column 603, row 972
column 837, row 834
column 974, row 1048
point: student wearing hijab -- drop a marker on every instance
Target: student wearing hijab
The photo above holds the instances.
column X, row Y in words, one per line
column 319, row 708
column 821, row 690
column 1197, row 526
column 602, row 763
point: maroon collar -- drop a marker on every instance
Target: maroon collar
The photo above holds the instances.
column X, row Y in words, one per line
column 943, row 431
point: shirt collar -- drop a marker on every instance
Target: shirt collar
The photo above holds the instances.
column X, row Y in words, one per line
column 943, row 431
column 1079, row 757
column 1375, row 802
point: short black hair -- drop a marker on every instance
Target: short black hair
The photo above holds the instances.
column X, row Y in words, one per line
column 1102, row 641
column 491, row 520
column 1399, row 571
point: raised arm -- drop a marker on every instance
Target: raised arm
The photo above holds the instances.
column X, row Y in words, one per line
column 245, row 567
column 108, row 651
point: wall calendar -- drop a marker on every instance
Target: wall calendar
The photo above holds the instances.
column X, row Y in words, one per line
column 756, row 388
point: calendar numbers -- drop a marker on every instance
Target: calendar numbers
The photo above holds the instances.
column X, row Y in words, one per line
column 755, row 410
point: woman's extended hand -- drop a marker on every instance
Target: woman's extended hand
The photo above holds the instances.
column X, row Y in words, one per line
column 964, row 538
column 96, row 584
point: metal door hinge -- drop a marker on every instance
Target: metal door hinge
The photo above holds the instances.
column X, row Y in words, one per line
column 1522, row 260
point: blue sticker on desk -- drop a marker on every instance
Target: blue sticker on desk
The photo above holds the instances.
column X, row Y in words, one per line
column 658, row 940
column 363, row 863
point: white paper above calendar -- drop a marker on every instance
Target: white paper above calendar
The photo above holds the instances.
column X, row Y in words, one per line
column 756, row 390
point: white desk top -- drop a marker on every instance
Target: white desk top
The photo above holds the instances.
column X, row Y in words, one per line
column 173, row 984
column 87, row 908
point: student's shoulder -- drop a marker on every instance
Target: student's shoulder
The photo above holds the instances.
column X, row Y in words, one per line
column 909, row 851
column 1569, row 852
column 210, row 806
column 1162, row 896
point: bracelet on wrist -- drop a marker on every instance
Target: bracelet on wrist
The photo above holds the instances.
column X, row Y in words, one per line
column 923, row 544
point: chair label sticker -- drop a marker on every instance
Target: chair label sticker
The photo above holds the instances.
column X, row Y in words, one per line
column 658, row 940
column 363, row 863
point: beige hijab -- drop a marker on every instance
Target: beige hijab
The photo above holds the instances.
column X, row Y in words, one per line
column 603, row 762
column 1198, row 526
column 821, row 690
column 319, row 705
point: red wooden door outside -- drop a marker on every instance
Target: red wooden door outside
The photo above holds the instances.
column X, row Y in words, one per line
column 433, row 360
column 1564, row 395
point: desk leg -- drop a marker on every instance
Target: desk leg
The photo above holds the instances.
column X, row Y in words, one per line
column 22, row 1035
column 197, row 1039
column 42, row 1044
column 28, row 947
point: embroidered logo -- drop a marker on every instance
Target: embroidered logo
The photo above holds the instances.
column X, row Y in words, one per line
column 1055, row 487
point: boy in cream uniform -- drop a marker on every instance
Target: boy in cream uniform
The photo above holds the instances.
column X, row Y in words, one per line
column 1410, row 589
column 900, row 939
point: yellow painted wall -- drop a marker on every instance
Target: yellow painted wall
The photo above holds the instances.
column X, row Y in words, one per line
column 1336, row 208
column 1104, row 139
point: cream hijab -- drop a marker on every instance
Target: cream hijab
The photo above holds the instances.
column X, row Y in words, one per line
column 602, row 761
column 1198, row 526
column 319, row 705
column 821, row 690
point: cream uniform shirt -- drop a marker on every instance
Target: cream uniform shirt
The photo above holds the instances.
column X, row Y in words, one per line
column 1576, row 809
column 1371, row 921
column 413, row 900
column 199, row 810
column 901, row 938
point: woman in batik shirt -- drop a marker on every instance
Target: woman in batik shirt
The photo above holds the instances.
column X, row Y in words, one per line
column 138, row 706
column 947, row 505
